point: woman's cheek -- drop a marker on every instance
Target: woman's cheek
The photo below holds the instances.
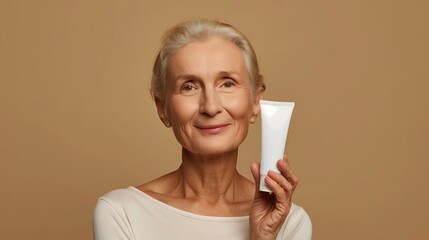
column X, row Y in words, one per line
column 237, row 105
column 183, row 108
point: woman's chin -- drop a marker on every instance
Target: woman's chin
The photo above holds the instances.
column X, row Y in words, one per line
column 210, row 150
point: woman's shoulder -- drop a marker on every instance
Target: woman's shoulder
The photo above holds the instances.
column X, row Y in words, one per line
column 115, row 207
column 297, row 224
column 125, row 201
column 298, row 214
column 121, row 197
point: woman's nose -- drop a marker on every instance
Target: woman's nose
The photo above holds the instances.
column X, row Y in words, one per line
column 210, row 103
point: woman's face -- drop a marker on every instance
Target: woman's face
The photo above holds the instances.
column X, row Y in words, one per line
column 209, row 103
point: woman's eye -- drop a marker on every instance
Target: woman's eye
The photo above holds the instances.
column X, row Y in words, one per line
column 228, row 84
column 188, row 87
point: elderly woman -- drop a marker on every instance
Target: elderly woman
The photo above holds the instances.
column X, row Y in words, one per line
column 206, row 86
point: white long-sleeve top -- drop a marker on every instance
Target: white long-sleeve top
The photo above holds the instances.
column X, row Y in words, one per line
column 130, row 214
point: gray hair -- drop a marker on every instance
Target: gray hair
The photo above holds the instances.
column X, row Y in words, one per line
column 199, row 30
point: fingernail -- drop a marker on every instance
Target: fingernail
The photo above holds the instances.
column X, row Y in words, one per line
column 271, row 172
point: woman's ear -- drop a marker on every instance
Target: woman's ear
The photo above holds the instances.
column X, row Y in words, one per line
column 256, row 107
column 160, row 107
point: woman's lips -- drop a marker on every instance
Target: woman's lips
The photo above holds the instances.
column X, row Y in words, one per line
column 212, row 128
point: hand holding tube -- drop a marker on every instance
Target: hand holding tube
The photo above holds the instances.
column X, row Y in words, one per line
column 269, row 210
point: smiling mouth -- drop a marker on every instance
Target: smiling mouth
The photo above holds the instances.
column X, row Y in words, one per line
column 212, row 128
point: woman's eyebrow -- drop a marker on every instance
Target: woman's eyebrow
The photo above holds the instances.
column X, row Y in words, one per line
column 195, row 77
column 229, row 73
column 186, row 76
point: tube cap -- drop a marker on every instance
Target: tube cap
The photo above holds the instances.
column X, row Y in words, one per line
column 262, row 186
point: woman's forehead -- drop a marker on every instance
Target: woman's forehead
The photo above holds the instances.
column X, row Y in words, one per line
column 213, row 55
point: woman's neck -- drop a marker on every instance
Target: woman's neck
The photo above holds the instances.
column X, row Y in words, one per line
column 212, row 178
column 207, row 185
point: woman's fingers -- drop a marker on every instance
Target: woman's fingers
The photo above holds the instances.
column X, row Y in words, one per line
column 280, row 186
column 285, row 169
column 283, row 183
column 254, row 169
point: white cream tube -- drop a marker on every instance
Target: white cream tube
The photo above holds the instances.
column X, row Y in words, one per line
column 275, row 118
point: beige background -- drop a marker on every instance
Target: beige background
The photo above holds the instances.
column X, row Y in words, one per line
column 77, row 120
